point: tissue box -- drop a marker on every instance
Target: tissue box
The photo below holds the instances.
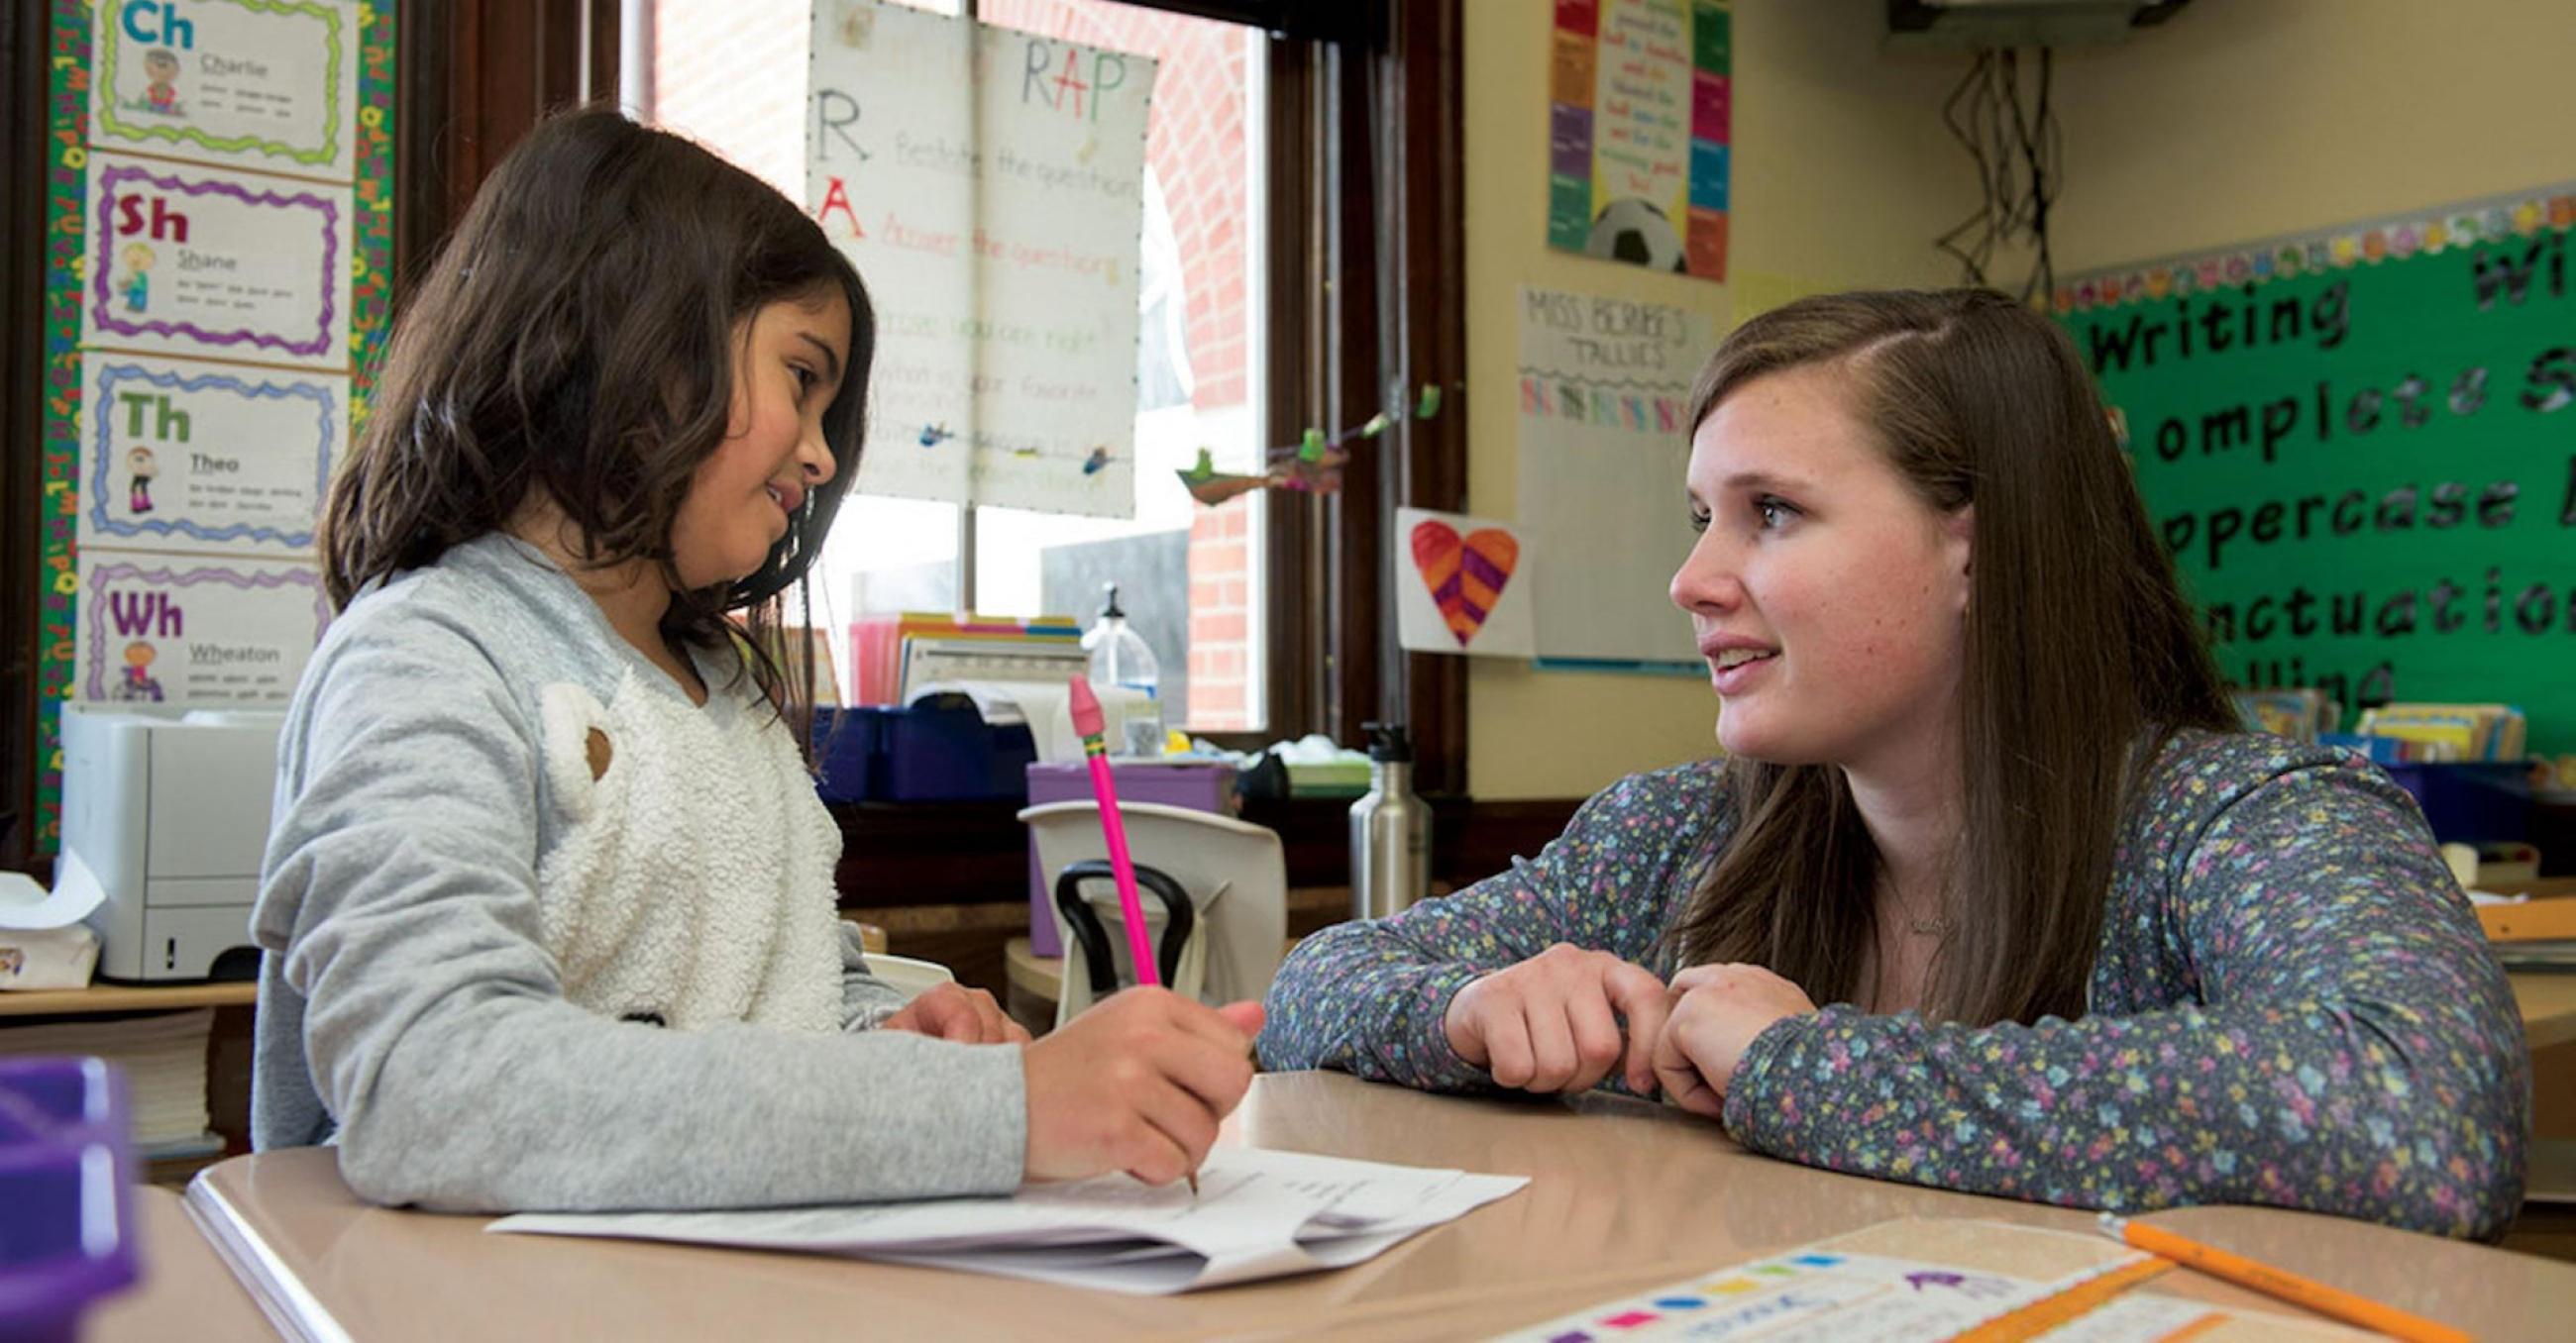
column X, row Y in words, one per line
column 1201, row 786
column 47, row 958
column 64, row 1159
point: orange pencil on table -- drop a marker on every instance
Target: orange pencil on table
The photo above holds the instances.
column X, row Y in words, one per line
column 2280, row 1283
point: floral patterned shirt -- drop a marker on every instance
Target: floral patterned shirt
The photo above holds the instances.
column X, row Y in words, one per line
column 2292, row 1005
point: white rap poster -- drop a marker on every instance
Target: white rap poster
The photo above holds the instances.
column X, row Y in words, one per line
column 989, row 185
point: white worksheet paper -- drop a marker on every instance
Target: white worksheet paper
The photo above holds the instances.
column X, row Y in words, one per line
column 1257, row 1214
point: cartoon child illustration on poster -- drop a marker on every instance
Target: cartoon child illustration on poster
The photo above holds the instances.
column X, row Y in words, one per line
column 138, row 683
column 138, row 276
column 143, row 466
column 161, row 67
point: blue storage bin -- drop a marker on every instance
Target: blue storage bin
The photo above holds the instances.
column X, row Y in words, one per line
column 67, row 1236
column 846, row 745
column 939, row 750
column 2475, row 802
column 943, row 751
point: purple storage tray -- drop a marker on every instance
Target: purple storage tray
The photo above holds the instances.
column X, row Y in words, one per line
column 67, row 1233
column 1208, row 787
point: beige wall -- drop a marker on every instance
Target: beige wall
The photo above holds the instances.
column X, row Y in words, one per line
column 2238, row 120
column 1842, row 176
column 2241, row 120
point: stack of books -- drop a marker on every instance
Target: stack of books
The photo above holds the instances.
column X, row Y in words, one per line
column 2450, row 733
column 163, row 1057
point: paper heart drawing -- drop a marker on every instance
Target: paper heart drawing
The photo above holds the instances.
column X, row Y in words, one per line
column 1466, row 575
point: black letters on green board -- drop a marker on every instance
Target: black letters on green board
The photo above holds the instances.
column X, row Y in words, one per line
column 2367, row 476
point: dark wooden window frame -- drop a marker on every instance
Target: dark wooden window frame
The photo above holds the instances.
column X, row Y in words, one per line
column 1365, row 272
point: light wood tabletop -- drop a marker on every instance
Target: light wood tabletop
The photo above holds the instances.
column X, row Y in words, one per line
column 185, row 1291
column 2548, row 1000
column 1623, row 1197
column 127, row 998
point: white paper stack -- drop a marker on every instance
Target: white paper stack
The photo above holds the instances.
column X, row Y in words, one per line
column 1258, row 1214
column 162, row 1055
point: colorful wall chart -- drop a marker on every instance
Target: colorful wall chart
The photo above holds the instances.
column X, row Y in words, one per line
column 201, row 459
column 989, row 184
column 206, row 634
column 1641, row 97
column 1604, row 436
column 190, row 260
column 262, row 84
column 219, row 223
column 2357, row 445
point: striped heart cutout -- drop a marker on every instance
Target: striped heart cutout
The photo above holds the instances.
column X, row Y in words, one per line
column 1465, row 574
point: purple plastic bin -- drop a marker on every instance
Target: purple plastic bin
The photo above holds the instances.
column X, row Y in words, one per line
column 1208, row 787
column 67, row 1233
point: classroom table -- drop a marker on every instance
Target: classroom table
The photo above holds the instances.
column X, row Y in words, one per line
column 185, row 1291
column 1624, row 1196
column 2548, row 1001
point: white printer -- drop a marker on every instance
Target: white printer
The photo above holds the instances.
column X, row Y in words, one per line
column 169, row 808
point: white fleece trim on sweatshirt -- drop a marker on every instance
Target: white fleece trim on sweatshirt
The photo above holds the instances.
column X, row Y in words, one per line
column 692, row 881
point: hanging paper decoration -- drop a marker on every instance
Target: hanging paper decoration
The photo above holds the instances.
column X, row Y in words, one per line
column 1313, row 464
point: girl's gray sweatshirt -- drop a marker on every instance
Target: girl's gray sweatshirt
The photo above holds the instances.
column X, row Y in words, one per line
column 541, row 933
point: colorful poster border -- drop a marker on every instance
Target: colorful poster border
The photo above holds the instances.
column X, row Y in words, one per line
column 2471, row 223
column 110, row 377
column 371, row 300
column 101, row 262
column 134, row 134
column 1574, row 70
column 215, row 572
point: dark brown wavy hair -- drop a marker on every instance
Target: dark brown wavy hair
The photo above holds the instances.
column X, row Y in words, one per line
column 577, row 337
column 2082, row 657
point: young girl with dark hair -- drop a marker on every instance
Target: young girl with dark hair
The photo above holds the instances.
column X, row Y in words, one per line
column 2079, row 940
column 548, row 903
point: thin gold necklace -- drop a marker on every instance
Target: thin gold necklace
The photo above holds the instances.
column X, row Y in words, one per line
column 1939, row 925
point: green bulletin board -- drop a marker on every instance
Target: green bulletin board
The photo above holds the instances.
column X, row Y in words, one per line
column 70, row 139
column 2361, row 448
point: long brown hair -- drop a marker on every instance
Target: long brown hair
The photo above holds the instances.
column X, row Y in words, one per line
column 577, row 337
column 2081, row 658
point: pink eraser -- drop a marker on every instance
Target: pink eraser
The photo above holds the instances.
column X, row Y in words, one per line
column 1086, row 709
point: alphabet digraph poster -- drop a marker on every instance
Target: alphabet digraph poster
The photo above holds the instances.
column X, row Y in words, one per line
column 219, row 233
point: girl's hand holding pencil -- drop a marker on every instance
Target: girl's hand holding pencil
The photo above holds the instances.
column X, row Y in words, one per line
column 1138, row 1083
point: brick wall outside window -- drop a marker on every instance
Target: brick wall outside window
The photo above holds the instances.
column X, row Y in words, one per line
column 731, row 73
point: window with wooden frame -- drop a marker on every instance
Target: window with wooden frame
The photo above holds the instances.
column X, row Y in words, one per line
column 1359, row 204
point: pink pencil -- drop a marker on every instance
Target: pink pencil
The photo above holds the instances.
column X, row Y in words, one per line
column 1088, row 722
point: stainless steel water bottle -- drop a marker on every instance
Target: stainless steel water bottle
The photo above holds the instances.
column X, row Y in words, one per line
column 1390, row 831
